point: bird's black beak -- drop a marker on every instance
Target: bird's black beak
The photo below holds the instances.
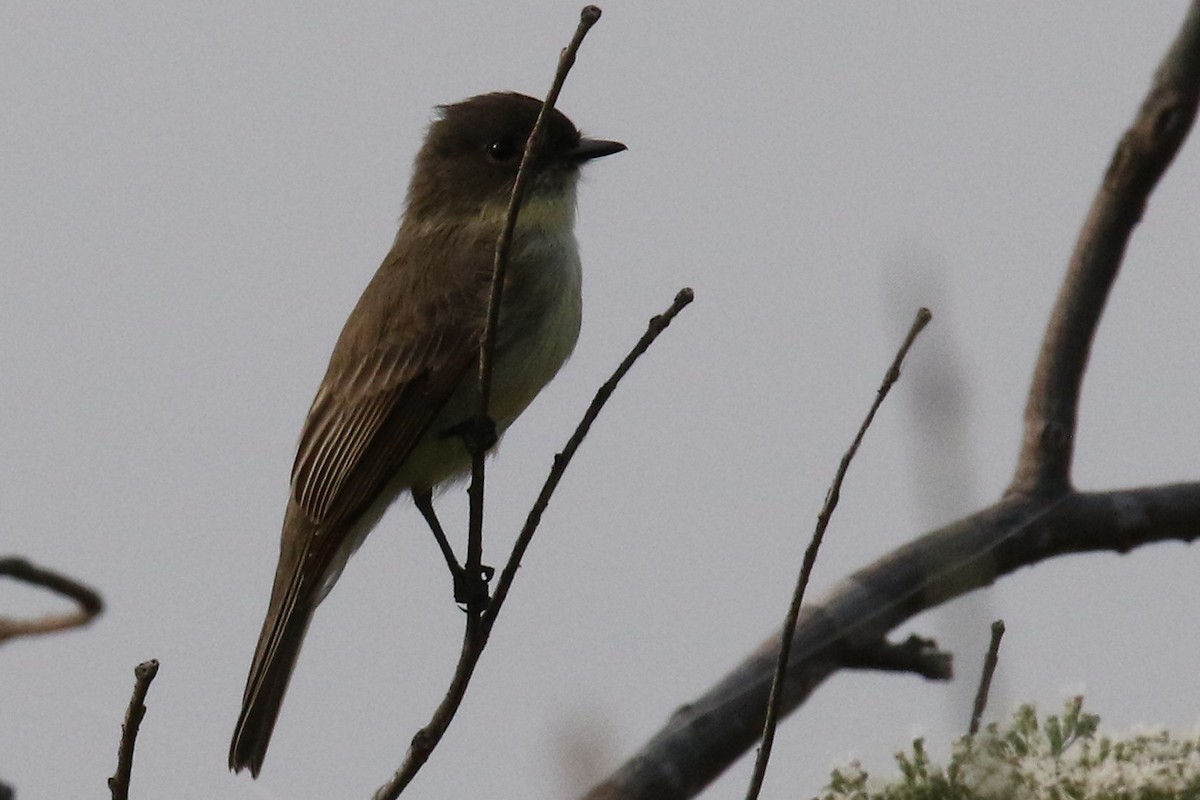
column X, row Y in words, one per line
column 587, row 149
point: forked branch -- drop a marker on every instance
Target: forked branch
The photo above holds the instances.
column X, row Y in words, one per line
column 1040, row 516
column 478, row 632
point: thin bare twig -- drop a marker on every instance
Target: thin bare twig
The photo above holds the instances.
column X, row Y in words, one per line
column 775, row 699
column 588, row 17
column 118, row 784
column 473, row 565
column 985, row 679
column 88, row 600
column 657, row 325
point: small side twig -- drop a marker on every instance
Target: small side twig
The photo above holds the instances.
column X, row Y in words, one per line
column 87, row 599
column 985, row 679
column 473, row 564
column 479, row 628
column 915, row 655
column 143, row 673
column 775, row 699
column 657, row 325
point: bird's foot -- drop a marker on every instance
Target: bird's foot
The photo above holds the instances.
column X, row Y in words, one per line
column 472, row 592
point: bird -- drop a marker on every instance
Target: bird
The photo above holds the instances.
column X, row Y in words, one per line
column 394, row 412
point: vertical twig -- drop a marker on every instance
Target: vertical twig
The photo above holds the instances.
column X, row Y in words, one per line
column 143, row 673
column 985, row 679
column 775, row 700
column 473, row 565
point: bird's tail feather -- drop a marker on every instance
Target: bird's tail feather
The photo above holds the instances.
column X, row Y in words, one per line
column 292, row 607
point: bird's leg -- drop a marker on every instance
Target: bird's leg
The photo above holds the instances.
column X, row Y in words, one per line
column 423, row 499
column 465, row 589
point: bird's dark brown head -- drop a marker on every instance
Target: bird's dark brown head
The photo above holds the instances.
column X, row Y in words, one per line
column 473, row 149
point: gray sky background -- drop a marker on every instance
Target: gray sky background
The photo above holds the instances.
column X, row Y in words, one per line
column 194, row 196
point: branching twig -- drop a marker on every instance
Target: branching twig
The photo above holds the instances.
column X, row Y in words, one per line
column 657, row 325
column 143, row 673
column 985, row 679
column 89, row 602
column 775, row 698
column 473, row 565
column 479, row 628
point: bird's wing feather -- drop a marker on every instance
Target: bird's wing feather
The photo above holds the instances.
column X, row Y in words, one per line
column 366, row 420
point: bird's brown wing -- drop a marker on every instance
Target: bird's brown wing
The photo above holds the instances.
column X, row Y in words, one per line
column 365, row 421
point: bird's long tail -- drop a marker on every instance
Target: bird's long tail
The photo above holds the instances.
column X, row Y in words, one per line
column 292, row 606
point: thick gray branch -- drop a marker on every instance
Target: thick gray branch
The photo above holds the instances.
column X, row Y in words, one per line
column 1141, row 158
column 703, row 738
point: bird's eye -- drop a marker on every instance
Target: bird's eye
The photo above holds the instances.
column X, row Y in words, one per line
column 502, row 151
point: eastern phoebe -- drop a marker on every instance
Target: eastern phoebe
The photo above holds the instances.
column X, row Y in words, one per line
column 402, row 379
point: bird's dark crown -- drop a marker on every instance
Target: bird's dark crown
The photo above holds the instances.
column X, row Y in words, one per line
column 500, row 118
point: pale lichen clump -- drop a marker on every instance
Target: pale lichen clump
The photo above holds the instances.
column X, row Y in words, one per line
column 1061, row 759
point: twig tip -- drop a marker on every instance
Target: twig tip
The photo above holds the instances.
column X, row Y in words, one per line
column 590, row 15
